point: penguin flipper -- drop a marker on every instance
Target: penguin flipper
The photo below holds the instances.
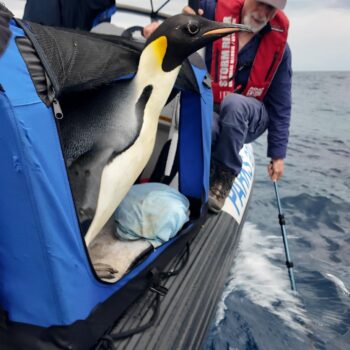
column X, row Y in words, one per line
column 85, row 176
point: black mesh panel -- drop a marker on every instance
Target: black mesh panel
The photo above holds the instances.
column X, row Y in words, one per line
column 80, row 60
column 77, row 60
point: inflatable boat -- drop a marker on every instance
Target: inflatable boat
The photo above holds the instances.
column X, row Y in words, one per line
column 51, row 296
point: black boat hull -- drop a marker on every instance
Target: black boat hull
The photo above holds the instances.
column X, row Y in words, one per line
column 186, row 311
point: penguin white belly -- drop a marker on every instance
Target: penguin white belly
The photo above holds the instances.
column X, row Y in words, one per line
column 120, row 174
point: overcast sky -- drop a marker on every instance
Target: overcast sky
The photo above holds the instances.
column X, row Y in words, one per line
column 319, row 33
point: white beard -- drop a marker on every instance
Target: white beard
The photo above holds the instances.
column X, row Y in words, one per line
column 249, row 21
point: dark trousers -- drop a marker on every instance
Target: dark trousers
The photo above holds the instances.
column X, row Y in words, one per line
column 241, row 120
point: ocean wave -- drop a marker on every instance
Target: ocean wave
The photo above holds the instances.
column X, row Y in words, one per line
column 326, row 297
column 341, row 152
column 338, row 283
column 256, row 275
column 309, row 211
column 325, row 109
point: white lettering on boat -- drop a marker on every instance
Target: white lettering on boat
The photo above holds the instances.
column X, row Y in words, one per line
column 237, row 200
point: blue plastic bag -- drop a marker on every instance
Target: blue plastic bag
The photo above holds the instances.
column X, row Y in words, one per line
column 151, row 211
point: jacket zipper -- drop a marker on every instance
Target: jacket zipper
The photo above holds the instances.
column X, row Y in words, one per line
column 216, row 77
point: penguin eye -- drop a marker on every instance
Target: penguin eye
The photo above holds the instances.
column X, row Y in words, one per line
column 193, row 27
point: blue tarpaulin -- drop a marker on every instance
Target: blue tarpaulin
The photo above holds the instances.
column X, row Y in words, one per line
column 45, row 274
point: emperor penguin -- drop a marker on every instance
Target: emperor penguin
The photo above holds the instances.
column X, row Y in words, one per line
column 110, row 147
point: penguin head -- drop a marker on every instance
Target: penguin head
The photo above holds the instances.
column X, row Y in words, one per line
column 181, row 35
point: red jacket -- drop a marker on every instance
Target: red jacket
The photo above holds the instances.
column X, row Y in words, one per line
column 225, row 51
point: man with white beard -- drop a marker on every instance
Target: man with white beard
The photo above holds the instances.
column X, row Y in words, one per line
column 251, row 81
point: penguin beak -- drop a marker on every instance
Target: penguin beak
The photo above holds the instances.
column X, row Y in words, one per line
column 209, row 31
column 223, row 29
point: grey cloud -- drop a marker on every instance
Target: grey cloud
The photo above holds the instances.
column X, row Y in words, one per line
column 340, row 4
column 308, row 5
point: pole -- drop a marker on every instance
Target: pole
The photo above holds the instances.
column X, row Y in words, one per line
column 282, row 222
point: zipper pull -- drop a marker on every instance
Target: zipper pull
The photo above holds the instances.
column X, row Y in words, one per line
column 57, row 109
column 238, row 89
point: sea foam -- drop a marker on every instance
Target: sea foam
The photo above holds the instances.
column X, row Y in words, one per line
column 263, row 281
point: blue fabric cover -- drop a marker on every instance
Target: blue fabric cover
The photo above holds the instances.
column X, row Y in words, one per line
column 105, row 16
column 152, row 211
column 43, row 264
column 195, row 139
column 45, row 276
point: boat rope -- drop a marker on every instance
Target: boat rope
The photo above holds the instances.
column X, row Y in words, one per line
column 156, row 277
column 155, row 13
column 111, row 338
column 184, row 261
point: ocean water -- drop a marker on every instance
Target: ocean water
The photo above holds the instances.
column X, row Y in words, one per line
column 258, row 309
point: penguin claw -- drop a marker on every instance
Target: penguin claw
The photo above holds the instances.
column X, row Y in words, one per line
column 105, row 271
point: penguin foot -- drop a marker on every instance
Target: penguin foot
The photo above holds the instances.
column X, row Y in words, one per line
column 105, row 271
column 113, row 258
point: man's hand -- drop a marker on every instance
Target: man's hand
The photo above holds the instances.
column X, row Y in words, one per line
column 149, row 29
column 190, row 11
column 275, row 169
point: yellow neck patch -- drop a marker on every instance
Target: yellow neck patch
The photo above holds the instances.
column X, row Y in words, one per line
column 159, row 47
